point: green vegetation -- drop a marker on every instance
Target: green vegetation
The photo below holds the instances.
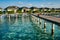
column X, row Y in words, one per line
column 10, row 12
column 19, row 10
column 39, row 10
column 29, row 12
column 1, row 12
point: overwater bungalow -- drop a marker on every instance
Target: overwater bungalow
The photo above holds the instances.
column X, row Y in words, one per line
column 0, row 11
column 25, row 9
column 46, row 9
column 11, row 9
column 57, row 9
column 34, row 9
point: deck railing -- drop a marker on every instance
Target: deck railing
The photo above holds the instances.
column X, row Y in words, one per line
column 36, row 19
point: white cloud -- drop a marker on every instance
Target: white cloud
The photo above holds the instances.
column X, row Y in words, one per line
column 30, row 5
column 42, row 5
column 20, row 2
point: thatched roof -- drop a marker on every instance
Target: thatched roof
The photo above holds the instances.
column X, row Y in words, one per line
column 11, row 7
column 24, row 7
column 0, row 8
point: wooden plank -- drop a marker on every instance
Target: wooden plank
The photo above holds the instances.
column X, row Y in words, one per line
column 49, row 18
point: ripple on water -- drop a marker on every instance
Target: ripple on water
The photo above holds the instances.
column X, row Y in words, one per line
column 25, row 30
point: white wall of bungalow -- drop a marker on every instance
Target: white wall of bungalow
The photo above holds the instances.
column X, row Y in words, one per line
column 35, row 9
column 15, row 10
column 9, row 9
column 0, row 9
column 49, row 10
column 57, row 10
column 45, row 9
column 26, row 9
column 22, row 10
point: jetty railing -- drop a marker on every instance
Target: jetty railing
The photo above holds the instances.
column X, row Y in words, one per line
column 37, row 20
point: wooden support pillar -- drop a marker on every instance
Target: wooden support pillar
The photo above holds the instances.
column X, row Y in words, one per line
column 39, row 21
column 34, row 19
column 44, row 26
column 52, row 31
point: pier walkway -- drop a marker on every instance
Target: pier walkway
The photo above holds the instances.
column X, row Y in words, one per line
column 50, row 18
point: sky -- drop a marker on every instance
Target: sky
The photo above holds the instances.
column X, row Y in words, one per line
column 30, row 3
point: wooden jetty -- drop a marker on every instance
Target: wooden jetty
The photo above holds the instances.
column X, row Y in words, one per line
column 49, row 18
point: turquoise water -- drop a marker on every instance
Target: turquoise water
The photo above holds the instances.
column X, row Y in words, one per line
column 24, row 28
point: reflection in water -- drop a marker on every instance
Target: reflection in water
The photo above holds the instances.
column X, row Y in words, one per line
column 24, row 29
column 9, row 17
column 50, row 28
column 16, row 19
column 2, row 20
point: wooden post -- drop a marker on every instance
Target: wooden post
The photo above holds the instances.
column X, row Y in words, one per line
column 44, row 26
column 52, row 31
column 40, row 22
column 37, row 21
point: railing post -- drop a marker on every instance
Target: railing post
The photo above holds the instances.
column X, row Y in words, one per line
column 38, row 21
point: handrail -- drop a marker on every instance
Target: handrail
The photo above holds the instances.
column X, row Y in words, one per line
column 49, row 18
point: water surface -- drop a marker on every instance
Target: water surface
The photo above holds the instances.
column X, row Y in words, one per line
column 21, row 28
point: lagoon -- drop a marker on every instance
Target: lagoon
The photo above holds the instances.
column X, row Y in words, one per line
column 24, row 28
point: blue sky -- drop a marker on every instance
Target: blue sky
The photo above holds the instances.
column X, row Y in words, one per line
column 30, row 3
